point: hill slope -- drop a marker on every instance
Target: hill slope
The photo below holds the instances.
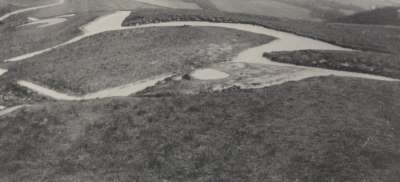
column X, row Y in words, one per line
column 316, row 130
column 380, row 16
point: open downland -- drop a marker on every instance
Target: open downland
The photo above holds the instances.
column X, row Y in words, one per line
column 115, row 58
column 319, row 129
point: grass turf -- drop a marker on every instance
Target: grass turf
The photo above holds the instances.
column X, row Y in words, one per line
column 316, row 130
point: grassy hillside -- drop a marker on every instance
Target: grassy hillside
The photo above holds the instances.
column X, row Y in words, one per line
column 380, row 16
column 317, row 130
column 115, row 58
column 20, row 40
column 363, row 37
column 363, row 62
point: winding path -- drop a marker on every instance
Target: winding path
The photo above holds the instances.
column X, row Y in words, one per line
column 284, row 42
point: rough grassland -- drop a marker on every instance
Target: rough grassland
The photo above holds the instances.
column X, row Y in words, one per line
column 317, row 130
column 16, row 41
column 363, row 37
column 363, row 62
column 12, row 94
column 115, row 58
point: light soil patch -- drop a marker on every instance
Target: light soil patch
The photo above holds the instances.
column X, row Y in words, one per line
column 208, row 74
column 2, row 71
column 43, row 23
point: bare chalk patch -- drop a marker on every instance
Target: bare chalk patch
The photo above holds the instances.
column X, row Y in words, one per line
column 42, row 23
column 209, row 74
column 2, row 71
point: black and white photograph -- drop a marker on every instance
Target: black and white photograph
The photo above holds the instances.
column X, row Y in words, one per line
column 199, row 90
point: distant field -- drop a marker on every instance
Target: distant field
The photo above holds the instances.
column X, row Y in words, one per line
column 115, row 58
column 263, row 7
column 319, row 130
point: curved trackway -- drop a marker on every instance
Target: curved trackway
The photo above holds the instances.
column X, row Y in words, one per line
column 284, row 42
column 2, row 18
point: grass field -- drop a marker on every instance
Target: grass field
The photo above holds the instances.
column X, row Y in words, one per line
column 315, row 130
column 115, row 58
